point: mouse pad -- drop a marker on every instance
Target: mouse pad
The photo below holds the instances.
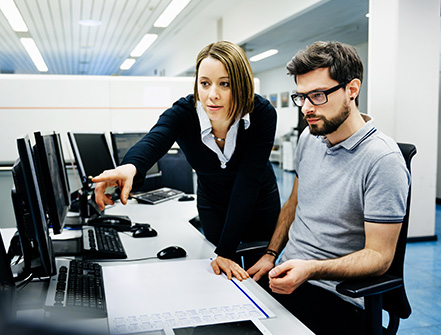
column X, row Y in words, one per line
column 175, row 294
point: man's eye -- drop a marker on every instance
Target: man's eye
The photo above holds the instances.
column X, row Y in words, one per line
column 316, row 95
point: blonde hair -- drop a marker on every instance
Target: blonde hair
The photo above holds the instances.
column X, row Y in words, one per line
column 239, row 71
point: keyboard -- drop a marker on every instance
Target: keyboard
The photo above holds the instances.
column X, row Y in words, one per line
column 157, row 196
column 77, row 289
column 102, row 243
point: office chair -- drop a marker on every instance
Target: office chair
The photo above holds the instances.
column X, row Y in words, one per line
column 387, row 291
column 176, row 171
column 248, row 253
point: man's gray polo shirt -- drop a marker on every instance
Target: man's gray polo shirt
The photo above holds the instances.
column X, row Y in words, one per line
column 363, row 178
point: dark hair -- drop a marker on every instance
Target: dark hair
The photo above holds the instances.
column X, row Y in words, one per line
column 239, row 71
column 342, row 60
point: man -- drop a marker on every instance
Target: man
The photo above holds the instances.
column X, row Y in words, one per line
column 343, row 217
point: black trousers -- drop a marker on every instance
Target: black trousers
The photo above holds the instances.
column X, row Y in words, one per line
column 260, row 226
column 321, row 311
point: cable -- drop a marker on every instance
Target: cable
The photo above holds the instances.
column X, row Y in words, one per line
column 127, row 260
column 24, row 283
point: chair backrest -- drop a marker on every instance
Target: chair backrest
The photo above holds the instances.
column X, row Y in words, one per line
column 177, row 173
column 395, row 301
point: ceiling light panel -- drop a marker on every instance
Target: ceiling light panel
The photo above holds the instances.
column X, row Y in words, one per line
column 90, row 23
column 13, row 15
column 264, row 55
column 170, row 13
column 127, row 64
column 34, row 53
column 143, row 45
column 54, row 26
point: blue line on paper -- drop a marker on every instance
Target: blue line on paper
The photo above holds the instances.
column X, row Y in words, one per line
column 255, row 304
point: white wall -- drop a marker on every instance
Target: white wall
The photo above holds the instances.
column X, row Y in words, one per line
column 438, row 179
column 276, row 81
column 82, row 103
column 404, row 57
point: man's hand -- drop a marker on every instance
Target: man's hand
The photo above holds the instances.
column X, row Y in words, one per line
column 229, row 267
column 262, row 267
column 286, row 277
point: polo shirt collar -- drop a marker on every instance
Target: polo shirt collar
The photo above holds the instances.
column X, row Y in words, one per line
column 357, row 138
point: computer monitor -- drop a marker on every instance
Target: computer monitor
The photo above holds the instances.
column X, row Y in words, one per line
column 52, row 175
column 32, row 225
column 92, row 154
column 7, row 287
column 122, row 142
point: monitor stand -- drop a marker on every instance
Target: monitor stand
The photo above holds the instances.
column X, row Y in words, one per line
column 88, row 207
column 69, row 247
column 73, row 221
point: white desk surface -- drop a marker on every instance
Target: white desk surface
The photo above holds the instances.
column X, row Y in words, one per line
column 170, row 220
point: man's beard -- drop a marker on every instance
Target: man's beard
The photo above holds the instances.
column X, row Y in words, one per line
column 329, row 125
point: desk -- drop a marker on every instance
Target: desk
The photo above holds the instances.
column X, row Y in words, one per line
column 170, row 219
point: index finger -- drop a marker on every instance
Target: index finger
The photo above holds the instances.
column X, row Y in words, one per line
column 256, row 275
column 105, row 176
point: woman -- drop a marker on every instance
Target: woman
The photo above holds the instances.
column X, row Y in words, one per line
column 226, row 133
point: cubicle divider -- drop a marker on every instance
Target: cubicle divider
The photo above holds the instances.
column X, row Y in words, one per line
column 83, row 103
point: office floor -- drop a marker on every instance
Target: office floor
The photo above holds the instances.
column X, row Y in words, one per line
column 422, row 274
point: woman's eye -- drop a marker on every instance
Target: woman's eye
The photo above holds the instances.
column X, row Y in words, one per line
column 225, row 84
column 204, row 83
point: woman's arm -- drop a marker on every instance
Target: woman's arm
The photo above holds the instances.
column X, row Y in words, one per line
column 160, row 138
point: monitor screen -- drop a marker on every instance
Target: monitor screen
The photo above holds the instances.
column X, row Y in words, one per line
column 52, row 175
column 122, row 142
column 92, row 154
column 30, row 216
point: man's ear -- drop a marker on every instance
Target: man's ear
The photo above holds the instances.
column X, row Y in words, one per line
column 353, row 88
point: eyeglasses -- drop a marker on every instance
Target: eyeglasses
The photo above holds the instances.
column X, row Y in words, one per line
column 315, row 97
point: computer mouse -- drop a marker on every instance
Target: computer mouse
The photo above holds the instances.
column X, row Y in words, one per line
column 136, row 226
column 171, row 252
column 144, row 232
column 186, row 198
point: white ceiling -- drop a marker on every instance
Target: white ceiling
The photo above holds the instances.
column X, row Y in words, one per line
column 69, row 48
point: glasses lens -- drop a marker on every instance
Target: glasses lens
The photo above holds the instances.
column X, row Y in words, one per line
column 317, row 98
column 299, row 100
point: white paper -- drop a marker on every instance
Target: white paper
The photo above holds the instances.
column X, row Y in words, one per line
column 155, row 296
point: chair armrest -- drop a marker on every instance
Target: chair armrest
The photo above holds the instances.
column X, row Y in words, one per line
column 251, row 248
column 357, row 288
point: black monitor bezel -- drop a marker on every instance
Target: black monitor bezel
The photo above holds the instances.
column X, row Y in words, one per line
column 85, row 180
column 32, row 226
column 56, row 204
